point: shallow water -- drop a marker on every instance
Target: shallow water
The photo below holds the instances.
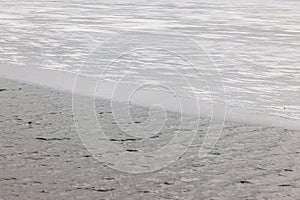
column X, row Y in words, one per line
column 254, row 46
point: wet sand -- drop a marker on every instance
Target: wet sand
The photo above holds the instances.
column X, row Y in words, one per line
column 42, row 156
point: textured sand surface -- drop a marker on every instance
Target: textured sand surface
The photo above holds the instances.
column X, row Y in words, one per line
column 42, row 156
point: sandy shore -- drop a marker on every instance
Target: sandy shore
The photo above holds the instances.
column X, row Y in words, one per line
column 42, row 156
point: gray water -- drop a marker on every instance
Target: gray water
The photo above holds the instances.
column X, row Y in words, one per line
column 254, row 45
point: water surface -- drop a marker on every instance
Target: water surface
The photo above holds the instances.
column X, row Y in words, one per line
column 253, row 44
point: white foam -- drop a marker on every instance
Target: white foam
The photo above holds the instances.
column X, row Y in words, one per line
column 87, row 86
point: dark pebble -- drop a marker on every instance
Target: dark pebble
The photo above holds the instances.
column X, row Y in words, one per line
column 104, row 190
column 244, row 181
column 168, row 183
column 284, row 185
column 215, row 153
column 132, row 150
column 144, row 191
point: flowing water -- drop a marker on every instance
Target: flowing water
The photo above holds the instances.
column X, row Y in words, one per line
column 253, row 46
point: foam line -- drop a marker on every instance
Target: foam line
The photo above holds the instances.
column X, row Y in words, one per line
column 87, row 86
